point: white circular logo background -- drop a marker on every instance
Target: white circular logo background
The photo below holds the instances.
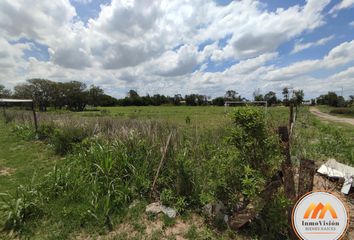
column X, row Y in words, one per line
column 320, row 216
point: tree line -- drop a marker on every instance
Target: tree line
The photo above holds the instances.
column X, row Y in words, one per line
column 75, row 96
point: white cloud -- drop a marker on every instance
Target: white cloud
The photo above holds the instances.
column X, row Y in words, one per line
column 263, row 32
column 83, row 1
column 338, row 56
column 300, row 46
column 340, row 6
column 351, row 24
column 154, row 46
column 44, row 21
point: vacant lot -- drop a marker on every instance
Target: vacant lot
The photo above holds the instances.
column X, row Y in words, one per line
column 105, row 162
column 204, row 116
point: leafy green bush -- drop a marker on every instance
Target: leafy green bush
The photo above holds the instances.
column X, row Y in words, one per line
column 257, row 144
column 45, row 131
column 64, row 139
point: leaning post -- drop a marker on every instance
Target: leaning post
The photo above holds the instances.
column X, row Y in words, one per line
column 4, row 109
column 34, row 117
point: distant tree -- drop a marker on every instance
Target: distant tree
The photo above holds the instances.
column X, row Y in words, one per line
column 196, row 99
column 177, row 99
column 271, row 98
column 231, row 95
column 351, row 99
column 23, row 91
column 4, row 93
column 331, row 99
column 107, row 101
column 298, row 97
column 285, row 96
column 76, row 95
column 95, row 94
column 219, row 101
column 257, row 96
column 42, row 91
column 133, row 94
column 191, row 100
column 202, row 99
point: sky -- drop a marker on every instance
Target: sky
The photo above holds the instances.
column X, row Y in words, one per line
column 181, row 46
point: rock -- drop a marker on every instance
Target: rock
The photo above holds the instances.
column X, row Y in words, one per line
column 216, row 211
column 170, row 212
column 154, row 208
column 157, row 207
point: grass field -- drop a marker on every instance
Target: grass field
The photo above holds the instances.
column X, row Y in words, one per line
column 340, row 112
column 66, row 214
column 20, row 160
column 204, row 116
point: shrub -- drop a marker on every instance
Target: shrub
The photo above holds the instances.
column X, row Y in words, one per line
column 45, row 131
column 258, row 146
column 65, row 138
column 347, row 111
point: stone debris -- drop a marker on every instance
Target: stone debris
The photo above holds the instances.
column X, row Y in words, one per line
column 157, row 207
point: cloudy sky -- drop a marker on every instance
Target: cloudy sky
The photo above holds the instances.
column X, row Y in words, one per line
column 181, row 46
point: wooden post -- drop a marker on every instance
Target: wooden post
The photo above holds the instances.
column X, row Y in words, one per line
column 306, row 175
column 4, row 110
column 34, row 117
column 288, row 175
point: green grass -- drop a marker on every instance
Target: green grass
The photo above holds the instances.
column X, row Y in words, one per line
column 204, row 116
column 348, row 112
column 64, row 217
column 21, row 159
column 320, row 140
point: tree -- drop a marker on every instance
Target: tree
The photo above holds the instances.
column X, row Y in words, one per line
column 298, row 97
column 23, row 91
column 133, row 94
column 177, row 99
column 231, row 95
column 219, row 101
column 4, row 93
column 331, row 99
column 257, row 96
column 40, row 90
column 351, row 99
column 95, row 94
column 76, row 95
column 191, row 100
column 271, row 98
column 285, row 96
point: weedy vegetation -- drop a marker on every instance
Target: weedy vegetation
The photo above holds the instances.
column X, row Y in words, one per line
column 108, row 164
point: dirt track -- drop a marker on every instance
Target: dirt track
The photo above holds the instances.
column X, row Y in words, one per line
column 331, row 118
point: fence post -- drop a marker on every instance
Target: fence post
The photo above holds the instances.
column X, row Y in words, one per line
column 288, row 174
column 34, row 117
column 4, row 110
column 306, row 175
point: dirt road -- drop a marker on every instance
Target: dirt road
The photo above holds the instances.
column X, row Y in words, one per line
column 331, row 118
